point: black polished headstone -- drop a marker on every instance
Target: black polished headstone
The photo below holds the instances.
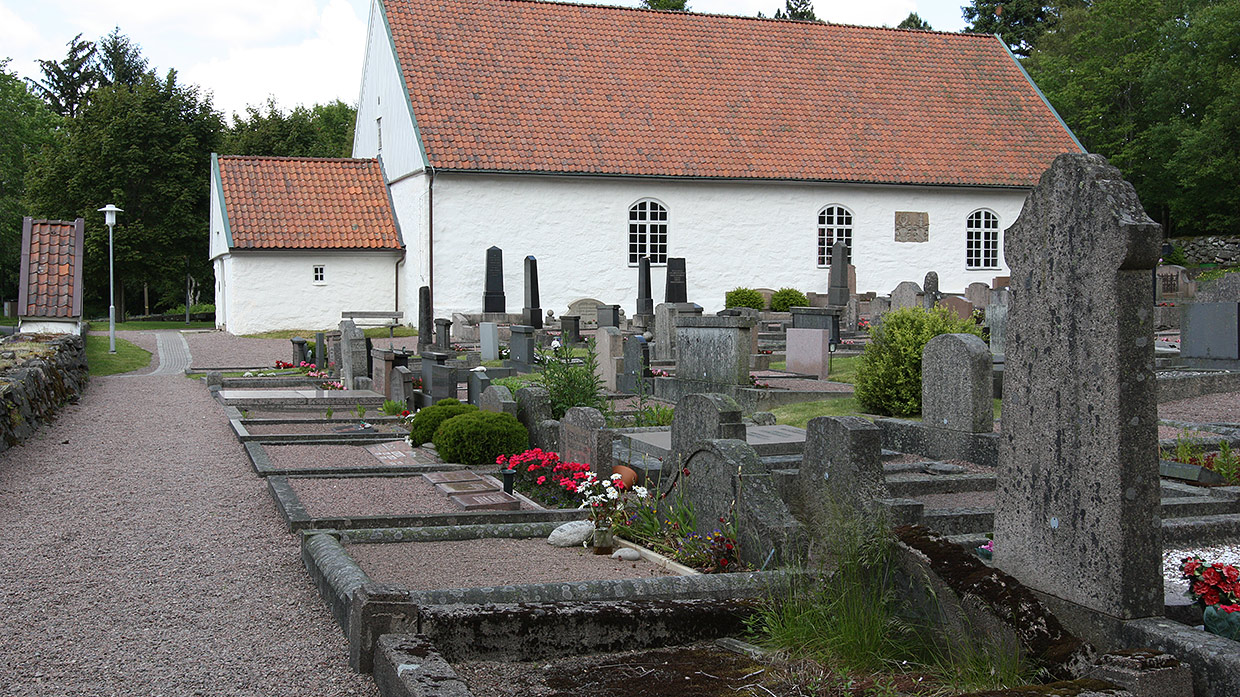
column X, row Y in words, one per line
column 320, row 350
column 570, row 329
column 531, row 314
column 677, row 288
column 425, row 316
column 493, row 298
column 645, row 302
column 609, row 315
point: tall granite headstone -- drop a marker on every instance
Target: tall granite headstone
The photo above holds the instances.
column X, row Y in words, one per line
column 842, row 465
column 443, row 334
column 352, row 353
column 956, row 386
column 320, row 350
column 996, row 319
column 608, row 315
column 978, row 293
column 443, row 382
column 645, row 301
column 488, row 336
column 676, row 290
column 636, row 365
column 609, row 343
column 531, row 314
column 570, row 329
column 714, row 349
column 1077, row 506
column 837, row 279
column 493, row 297
column 476, row 382
column 930, row 295
column 426, row 317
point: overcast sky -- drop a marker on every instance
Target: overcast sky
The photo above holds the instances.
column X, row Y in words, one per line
column 302, row 51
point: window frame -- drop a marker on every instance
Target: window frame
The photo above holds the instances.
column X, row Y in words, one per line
column 822, row 254
column 981, row 241
column 640, row 240
column 319, row 274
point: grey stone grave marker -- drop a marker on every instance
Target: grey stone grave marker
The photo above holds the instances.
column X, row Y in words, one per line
column 476, row 383
column 837, row 279
column 584, row 438
column 665, row 327
column 906, row 294
column 996, row 319
column 352, row 353
column 498, row 399
column 426, row 316
column 443, row 382
column 488, row 334
column 521, row 348
column 443, row 334
column 401, row 388
column 842, row 465
column 534, row 412
column 713, row 349
column 1077, row 506
column 300, row 353
column 636, row 364
column 676, row 289
column 393, row 453
column 645, row 301
column 320, row 350
column 493, row 299
column 430, row 359
column 445, row 477
column 570, row 329
column 476, row 486
column 608, row 315
column 702, row 416
column 930, row 295
column 1211, row 331
column 978, row 293
column 531, row 314
column 610, row 347
column 956, row 384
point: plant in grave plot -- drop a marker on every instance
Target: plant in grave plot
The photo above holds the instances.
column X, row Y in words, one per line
column 608, row 500
column 426, row 421
column 479, row 437
column 1216, row 587
column 331, row 385
column 542, row 476
column 668, row 526
column 889, row 373
column 744, row 297
column 572, row 381
column 392, row 407
column 1225, row 462
column 785, row 299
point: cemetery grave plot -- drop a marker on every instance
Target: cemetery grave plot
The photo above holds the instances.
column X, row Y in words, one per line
column 324, row 427
column 490, row 562
column 351, row 497
column 247, row 399
column 310, row 455
column 1219, row 408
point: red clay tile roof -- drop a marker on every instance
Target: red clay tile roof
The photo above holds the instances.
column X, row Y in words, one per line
column 307, row 203
column 517, row 85
column 51, row 271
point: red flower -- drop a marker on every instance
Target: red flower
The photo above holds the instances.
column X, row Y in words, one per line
column 727, row 546
column 1229, row 608
column 685, row 471
column 1190, row 566
column 541, row 480
column 1231, row 573
column 723, row 562
column 1212, row 576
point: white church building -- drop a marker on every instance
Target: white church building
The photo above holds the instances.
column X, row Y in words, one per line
column 590, row 136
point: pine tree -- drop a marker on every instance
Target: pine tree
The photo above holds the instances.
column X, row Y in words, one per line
column 914, row 21
column 66, row 84
column 673, row 5
column 797, row 9
column 120, row 61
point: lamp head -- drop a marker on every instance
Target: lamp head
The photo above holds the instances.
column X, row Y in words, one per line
column 109, row 214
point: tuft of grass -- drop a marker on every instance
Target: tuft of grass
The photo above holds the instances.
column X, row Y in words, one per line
column 128, row 357
column 8, row 321
column 102, row 326
column 371, row 332
column 799, row 414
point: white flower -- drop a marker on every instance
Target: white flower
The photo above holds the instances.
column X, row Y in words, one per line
column 613, row 494
column 616, row 477
column 640, row 491
column 248, row 374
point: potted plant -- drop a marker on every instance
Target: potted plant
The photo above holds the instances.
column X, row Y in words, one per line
column 1217, row 587
column 608, row 501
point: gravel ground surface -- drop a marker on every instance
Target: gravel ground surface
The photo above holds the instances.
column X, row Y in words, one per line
column 1176, row 585
column 475, row 563
column 1223, row 407
column 364, row 496
column 223, row 350
column 294, row 455
column 142, row 557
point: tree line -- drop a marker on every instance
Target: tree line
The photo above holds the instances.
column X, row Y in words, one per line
column 100, row 126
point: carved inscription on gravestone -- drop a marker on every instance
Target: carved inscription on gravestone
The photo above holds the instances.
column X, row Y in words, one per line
column 912, row 226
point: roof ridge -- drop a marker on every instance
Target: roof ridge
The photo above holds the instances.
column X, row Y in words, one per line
column 594, row 5
column 298, row 159
column 49, row 221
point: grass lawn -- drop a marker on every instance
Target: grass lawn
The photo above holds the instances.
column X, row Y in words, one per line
column 843, row 369
column 799, row 414
column 102, row 326
column 371, row 332
column 8, row 321
column 128, row 357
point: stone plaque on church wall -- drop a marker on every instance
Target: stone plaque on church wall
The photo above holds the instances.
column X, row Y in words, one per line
column 912, row 226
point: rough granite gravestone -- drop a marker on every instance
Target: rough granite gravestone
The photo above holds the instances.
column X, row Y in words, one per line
column 488, row 336
column 587, row 310
column 521, row 348
column 610, row 348
column 430, row 359
column 352, row 353
column 930, row 295
column 443, row 334
column 842, row 465
column 493, row 299
column 702, row 416
column 808, row 352
column 837, row 279
column 878, row 308
column 608, row 315
column 320, row 350
column 443, row 382
column 978, row 294
column 300, row 352
column 533, row 406
column 713, row 349
column 498, row 399
column 727, row 480
column 1211, row 331
column 676, row 289
column 531, row 314
column 1222, row 290
column 636, row 365
column 570, row 329
column 1077, row 505
column 996, row 319
column 956, row 385
column 476, row 382
column 401, row 389
column 960, row 307
column 906, row 294
column 584, row 438
column 426, row 315
column 645, row 301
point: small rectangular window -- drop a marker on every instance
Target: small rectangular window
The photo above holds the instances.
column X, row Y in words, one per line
column 318, row 274
column 379, row 131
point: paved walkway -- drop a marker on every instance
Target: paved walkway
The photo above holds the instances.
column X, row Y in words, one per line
column 142, row 556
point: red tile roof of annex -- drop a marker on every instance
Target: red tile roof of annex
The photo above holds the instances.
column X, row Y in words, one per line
column 52, row 277
column 307, row 203
column 523, row 85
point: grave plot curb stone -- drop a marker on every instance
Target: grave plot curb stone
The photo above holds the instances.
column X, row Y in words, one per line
column 407, row 665
column 915, row 437
column 1172, row 388
column 1215, row 660
column 333, row 572
column 239, row 427
column 296, row 517
column 264, row 468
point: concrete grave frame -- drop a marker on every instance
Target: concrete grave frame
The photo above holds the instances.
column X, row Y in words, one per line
column 264, row 468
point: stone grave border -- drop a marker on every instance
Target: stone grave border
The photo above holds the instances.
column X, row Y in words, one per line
column 751, row 399
column 243, row 434
column 258, row 382
column 1197, row 382
column 366, row 610
column 295, row 516
column 915, row 437
column 325, row 398
column 263, row 467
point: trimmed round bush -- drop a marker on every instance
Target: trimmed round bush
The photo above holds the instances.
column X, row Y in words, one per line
column 786, row 298
column 479, row 437
column 744, row 297
column 428, row 420
column 889, row 373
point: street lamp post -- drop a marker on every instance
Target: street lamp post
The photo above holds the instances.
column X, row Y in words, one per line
column 109, row 212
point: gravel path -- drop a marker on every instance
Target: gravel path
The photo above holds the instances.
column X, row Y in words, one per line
column 223, row 350
column 141, row 557
column 474, row 563
column 1223, row 407
column 366, row 496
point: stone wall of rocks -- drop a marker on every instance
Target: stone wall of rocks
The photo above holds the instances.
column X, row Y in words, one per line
column 31, row 392
column 1209, row 250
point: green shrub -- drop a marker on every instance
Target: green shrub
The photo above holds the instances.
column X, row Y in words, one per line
column 572, row 382
column 889, row 376
column 428, row 420
column 392, row 407
column 1176, row 256
column 744, row 297
column 785, row 299
column 479, row 437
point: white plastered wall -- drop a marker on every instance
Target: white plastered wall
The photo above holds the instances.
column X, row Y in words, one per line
column 731, row 234
column 49, row 326
column 276, row 289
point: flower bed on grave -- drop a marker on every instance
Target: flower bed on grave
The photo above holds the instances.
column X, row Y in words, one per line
column 668, row 526
column 1217, row 588
column 1224, row 462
